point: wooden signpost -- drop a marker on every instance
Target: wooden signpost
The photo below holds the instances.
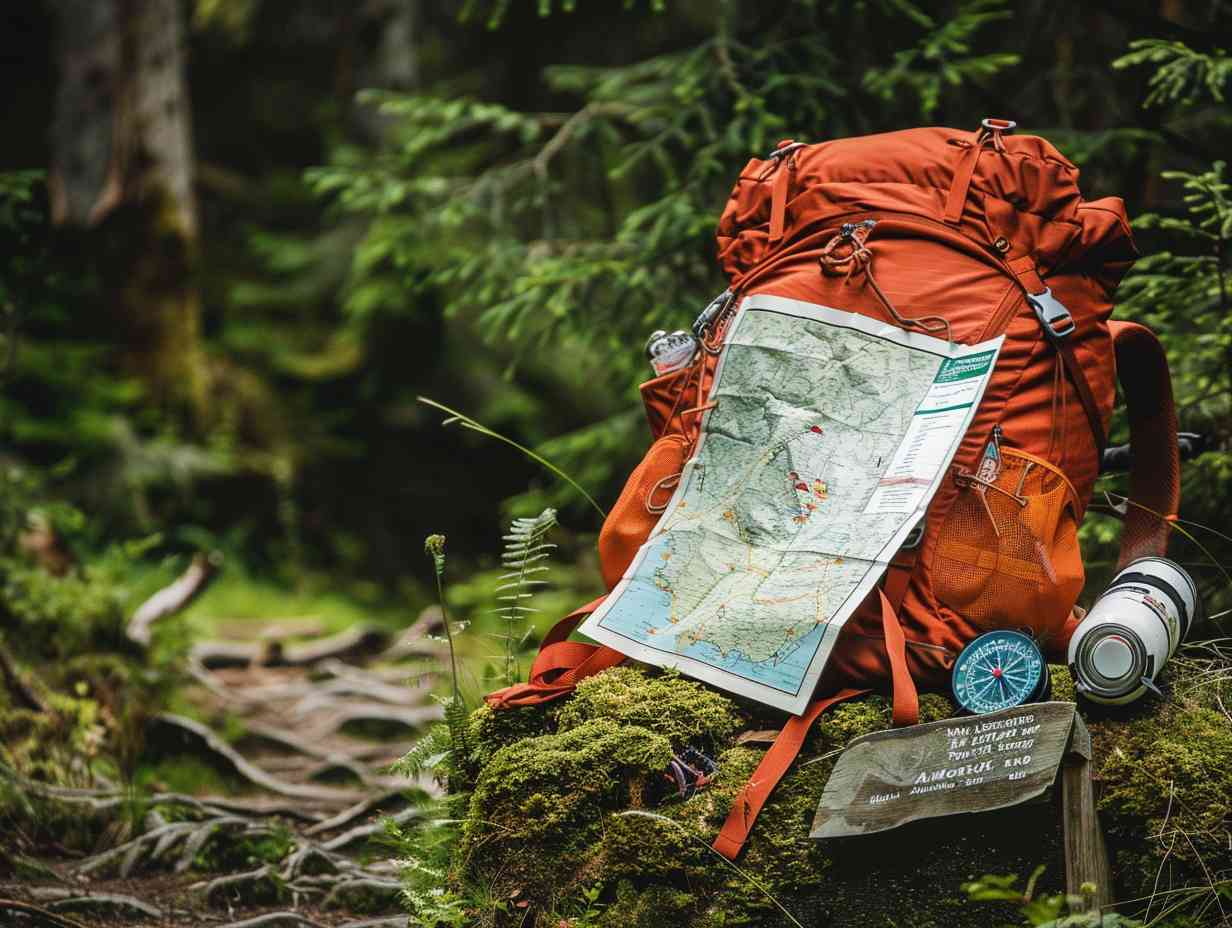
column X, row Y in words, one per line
column 972, row 764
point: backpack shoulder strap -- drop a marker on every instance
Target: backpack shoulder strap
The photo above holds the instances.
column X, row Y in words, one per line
column 1155, row 471
column 559, row 665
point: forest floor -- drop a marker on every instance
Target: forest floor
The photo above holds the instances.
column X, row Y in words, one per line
column 302, row 737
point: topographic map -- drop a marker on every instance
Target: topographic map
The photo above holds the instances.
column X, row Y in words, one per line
column 829, row 434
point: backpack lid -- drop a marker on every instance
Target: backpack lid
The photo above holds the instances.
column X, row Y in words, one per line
column 1021, row 198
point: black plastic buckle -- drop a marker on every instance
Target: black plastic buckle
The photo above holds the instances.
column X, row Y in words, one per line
column 1052, row 314
column 915, row 536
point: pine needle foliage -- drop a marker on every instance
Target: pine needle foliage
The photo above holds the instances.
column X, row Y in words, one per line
column 525, row 561
column 1181, row 75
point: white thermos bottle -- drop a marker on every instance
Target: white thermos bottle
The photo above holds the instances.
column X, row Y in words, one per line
column 1132, row 630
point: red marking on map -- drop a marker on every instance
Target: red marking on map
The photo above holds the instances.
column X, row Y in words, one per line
column 903, row 481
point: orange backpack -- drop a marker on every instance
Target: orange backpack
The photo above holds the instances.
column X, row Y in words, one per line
column 989, row 232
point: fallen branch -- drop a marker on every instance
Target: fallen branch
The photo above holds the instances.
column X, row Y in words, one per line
column 173, row 597
column 205, row 740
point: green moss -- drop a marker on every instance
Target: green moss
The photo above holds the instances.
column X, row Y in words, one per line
column 647, row 908
column 491, row 730
column 549, row 812
column 1062, row 683
column 1165, row 782
column 538, row 806
column 687, row 713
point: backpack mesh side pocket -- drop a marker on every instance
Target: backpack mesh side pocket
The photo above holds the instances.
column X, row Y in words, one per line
column 1007, row 554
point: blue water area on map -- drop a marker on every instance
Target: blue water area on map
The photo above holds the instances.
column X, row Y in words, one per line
column 642, row 612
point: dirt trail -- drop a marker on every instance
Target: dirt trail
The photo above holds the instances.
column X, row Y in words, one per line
column 299, row 844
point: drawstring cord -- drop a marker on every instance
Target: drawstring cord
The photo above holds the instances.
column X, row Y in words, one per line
column 857, row 259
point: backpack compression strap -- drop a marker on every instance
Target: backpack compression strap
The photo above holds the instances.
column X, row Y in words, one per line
column 1142, row 369
column 559, row 665
column 782, row 754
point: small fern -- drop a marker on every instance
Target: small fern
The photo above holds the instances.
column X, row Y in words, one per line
column 426, row 755
column 526, row 550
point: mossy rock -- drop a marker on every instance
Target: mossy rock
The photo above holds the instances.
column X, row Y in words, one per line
column 688, row 714
column 538, row 805
column 584, row 808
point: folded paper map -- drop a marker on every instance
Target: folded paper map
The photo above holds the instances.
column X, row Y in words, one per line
column 829, row 435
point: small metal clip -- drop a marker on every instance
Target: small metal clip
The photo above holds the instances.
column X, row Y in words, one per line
column 716, row 306
column 992, row 124
column 1052, row 314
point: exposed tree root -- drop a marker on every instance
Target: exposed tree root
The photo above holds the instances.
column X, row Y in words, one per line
column 352, row 642
column 363, row 832
column 254, row 884
column 346, row 713
column 347, row 816
column 36, row 915
column 108, row 902
column 415, row 640
column 204, row 740
column 388, row 890
column 275, row 920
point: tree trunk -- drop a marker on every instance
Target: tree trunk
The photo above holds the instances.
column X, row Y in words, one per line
column 122, row 165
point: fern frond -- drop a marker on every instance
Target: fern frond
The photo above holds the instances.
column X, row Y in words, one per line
column 525, row 550
column 426, row 755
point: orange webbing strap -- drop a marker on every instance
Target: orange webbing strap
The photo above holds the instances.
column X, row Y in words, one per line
column 906, row 700
column 1155, row 474
column 773, row 766
column 782, row 754
column 559, row 665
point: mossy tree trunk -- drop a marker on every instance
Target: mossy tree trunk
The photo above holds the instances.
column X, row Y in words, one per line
column 122, row 166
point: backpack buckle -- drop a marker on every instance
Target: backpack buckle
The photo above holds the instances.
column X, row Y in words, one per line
column 1052, row 314
column 915, row 536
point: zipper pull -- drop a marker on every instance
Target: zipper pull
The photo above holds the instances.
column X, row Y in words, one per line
column 990, row 461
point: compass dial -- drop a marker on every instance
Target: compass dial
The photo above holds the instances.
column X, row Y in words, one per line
column 999, row 670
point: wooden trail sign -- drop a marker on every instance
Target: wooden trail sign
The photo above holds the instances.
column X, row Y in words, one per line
column 971, row 764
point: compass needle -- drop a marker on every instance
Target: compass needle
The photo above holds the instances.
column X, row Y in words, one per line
column 999, row 670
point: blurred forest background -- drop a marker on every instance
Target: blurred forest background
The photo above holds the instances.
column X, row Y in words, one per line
column 219, row 310
column 239, row 238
